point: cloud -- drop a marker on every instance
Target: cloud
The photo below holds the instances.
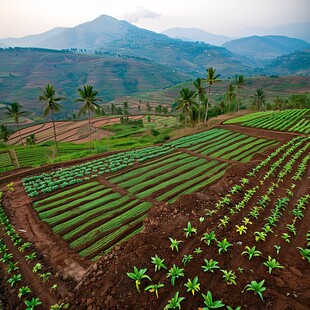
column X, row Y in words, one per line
column 139, row 13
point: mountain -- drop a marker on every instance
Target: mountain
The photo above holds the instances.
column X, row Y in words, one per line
column 108, row 35
column 194, row 34
column 32, row 40
column 296, row 63
column 265, row 47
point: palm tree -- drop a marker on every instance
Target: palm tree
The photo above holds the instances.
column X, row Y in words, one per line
column 88, row 97
column 199, row 94
column 211, row 78
column 230, row 94
column 259, row 99
column 14, row 112
column 52, row 106
column 4, row 133
column 186, row 102
column 240, row 82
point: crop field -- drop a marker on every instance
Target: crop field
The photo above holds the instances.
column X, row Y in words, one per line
column 296, row 120
column 217, row 218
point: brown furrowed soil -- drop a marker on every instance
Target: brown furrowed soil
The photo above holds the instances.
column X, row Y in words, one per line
column 105, row 284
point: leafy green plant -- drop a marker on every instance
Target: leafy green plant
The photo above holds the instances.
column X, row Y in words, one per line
column 6, row 257
column 174, row 302
column 251, row 252
column 229, row 277
column 23, row 291
column 14, row 279
column 305, row 253
column 286, row 237
column 59, row 306
column 271, row 263
column 210, row 265
column 189, row 230
column 231, row 308
column 256, row 287
column 193, row 286
column 198, row 250
column 31, row 256
column 224, row 221
column 223, row 245
column 31, row 304
column 278, row 248
column 174, row 244
column 37, row 267
column 137, row 276
column 209, row 237
column 260, row 235
column 186, row 259
column 210, row 303
column 24, row 246
column 12, row 267
column 154, row 288
column 158, row 262
column 241, row 229
column 175, row 272
column 45, row 276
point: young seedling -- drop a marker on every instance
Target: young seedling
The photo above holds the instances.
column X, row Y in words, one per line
column 174, row 244
column 59, row 306
column 223, row 245
column 224, row 221
column 12, row 267
column 174, row 302
column 229, row 277
column 201, row 219
column 198, row 250
column 260, row 235
column 45, row 276
column 24, row 246
column 154, row 288
column 186, row 259
column 6, row 257
column 31, row 256
column 210, row 265
column 193, row 286
column 305, row 253
column 208, row 301
column 189, row 230
column 246, row 221
column 251, row 252
column 175, row 272
column 31, row 304
column 278, row 248
column 241, row 229
column 158, row 262
column 23, row 291
column 286, row 237
column 14, row 279
column 231, row 308
column 36, row 267
column 209, row 237
column 256, row 287
column 137, row 276
column 271, row 263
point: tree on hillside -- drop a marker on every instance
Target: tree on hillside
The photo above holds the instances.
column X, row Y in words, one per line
column 14, row 111
column 259, row 99
column 279, row 103
column 240, row 82
column 4, row 133
column 52, row 106
column 186, row 102
column 211, row 78
column 88, row 97
column 200, row 94
column 230, row 94
column 31, row 140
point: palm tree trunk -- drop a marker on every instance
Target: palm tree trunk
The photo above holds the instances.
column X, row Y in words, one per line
column 89, row 129
column 56, row 144
column 20, row 136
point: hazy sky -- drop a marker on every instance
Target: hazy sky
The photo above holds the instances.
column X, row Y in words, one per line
column 228, row 17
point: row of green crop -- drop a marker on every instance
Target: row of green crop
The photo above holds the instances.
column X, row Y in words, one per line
column 5, row 162
column 281, row 120
column 248, row 117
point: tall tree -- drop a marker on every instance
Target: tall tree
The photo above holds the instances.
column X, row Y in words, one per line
column 230, row 94
column 88, row 97
column 14, row 111
column 240, row 82
column 259, row 99
column 186, row 102
column 200, row 94
column 211, row 78
column 4, row 133
column 52, row 106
